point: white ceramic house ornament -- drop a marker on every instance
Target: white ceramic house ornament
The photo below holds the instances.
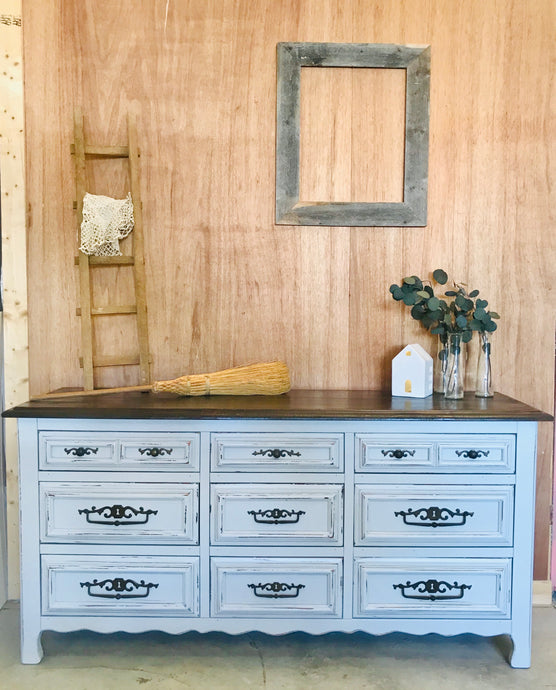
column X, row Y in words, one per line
column 412, row 372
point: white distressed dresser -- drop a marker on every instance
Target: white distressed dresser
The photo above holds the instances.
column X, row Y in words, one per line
column 315, row 511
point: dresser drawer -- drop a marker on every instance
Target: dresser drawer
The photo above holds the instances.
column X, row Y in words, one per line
column 276, row 588
column 119, row 586
column 278, row 452
column 118, row 451
column 119, row 512
column 290, row 514
column 490, row 453
column 432, row 588
column 433, row 515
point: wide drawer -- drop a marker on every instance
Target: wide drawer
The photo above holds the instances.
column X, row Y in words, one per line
column 119, row 512
column 432, row 588
column 489, row 453
column 118, row 451
column 278, row 452
column 120, row 586
column 262, row 514
column 433, row 515
column 276, row 588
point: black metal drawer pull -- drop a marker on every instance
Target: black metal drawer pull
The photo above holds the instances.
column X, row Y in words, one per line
column 434, row 517
column 276, row 590
column 80, row 451
column 119, row 588
column 472, row 454
column 155, row 452
column 276, row 516
column 276, row 453
column 432, row 590
column 117, row 515
column 398, row 453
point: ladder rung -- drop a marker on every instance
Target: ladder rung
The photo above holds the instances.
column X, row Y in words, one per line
column 111, row 309
column 112, row 361
column 104, row 151
column 109, row 261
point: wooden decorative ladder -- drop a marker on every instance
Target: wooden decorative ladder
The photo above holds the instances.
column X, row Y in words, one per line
column 81, row 151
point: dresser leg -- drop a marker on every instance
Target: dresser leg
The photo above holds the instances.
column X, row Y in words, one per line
column 31, row 647
column 521, row 654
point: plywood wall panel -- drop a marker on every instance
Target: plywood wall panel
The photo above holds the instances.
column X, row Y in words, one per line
column 224, row 284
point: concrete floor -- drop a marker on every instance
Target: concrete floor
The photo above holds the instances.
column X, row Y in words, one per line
column 156, row 661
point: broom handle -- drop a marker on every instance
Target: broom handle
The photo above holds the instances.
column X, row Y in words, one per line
column 95, row 391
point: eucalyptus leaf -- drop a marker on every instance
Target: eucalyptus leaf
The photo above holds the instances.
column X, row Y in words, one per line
column 473, row 293
column 397, row 293
column 433, row 303
column 494, row 315
column 466, row 336
column 410, row 280
column 461, row 321
column 440, row 276
column 409, row 298
column 418, row 311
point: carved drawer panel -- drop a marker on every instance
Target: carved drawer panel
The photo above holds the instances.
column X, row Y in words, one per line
column 435, row 453
column 276, row 588
column 467, row 453
column 281, row 514
column 119, row 512
column 118, row 451
column 433, row 515
column 120, row 585
column 432, row 588
column 278, row 452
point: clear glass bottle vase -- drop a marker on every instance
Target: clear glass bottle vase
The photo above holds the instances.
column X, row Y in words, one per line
column 455, row 367
column 483, row 386
column 441, row 364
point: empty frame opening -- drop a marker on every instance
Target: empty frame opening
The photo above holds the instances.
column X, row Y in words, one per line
column 352, row 134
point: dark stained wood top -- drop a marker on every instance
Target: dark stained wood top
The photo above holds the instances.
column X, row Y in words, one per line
column 297, row 404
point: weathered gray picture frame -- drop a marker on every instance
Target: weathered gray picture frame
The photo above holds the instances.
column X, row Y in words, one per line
column 412, row 211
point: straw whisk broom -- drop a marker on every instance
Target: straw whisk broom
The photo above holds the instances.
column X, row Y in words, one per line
column 262, row 378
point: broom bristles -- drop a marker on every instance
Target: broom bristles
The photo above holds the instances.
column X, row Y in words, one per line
column 263, row 378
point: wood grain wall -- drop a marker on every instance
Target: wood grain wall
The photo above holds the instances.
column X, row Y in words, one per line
column 15, row 375
column 225, row 285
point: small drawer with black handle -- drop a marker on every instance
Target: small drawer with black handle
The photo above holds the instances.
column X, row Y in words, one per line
column 120, row 585
column 119, row 512
column 432, row 588
column 279, row 452
column 276, row 588
column 277, row 514
column 433, row 515
column 107, row 450
column 405, row 452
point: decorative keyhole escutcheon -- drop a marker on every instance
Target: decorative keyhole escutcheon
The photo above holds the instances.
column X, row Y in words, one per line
column 276, row 516
column 276, row 590
column 276, row 453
